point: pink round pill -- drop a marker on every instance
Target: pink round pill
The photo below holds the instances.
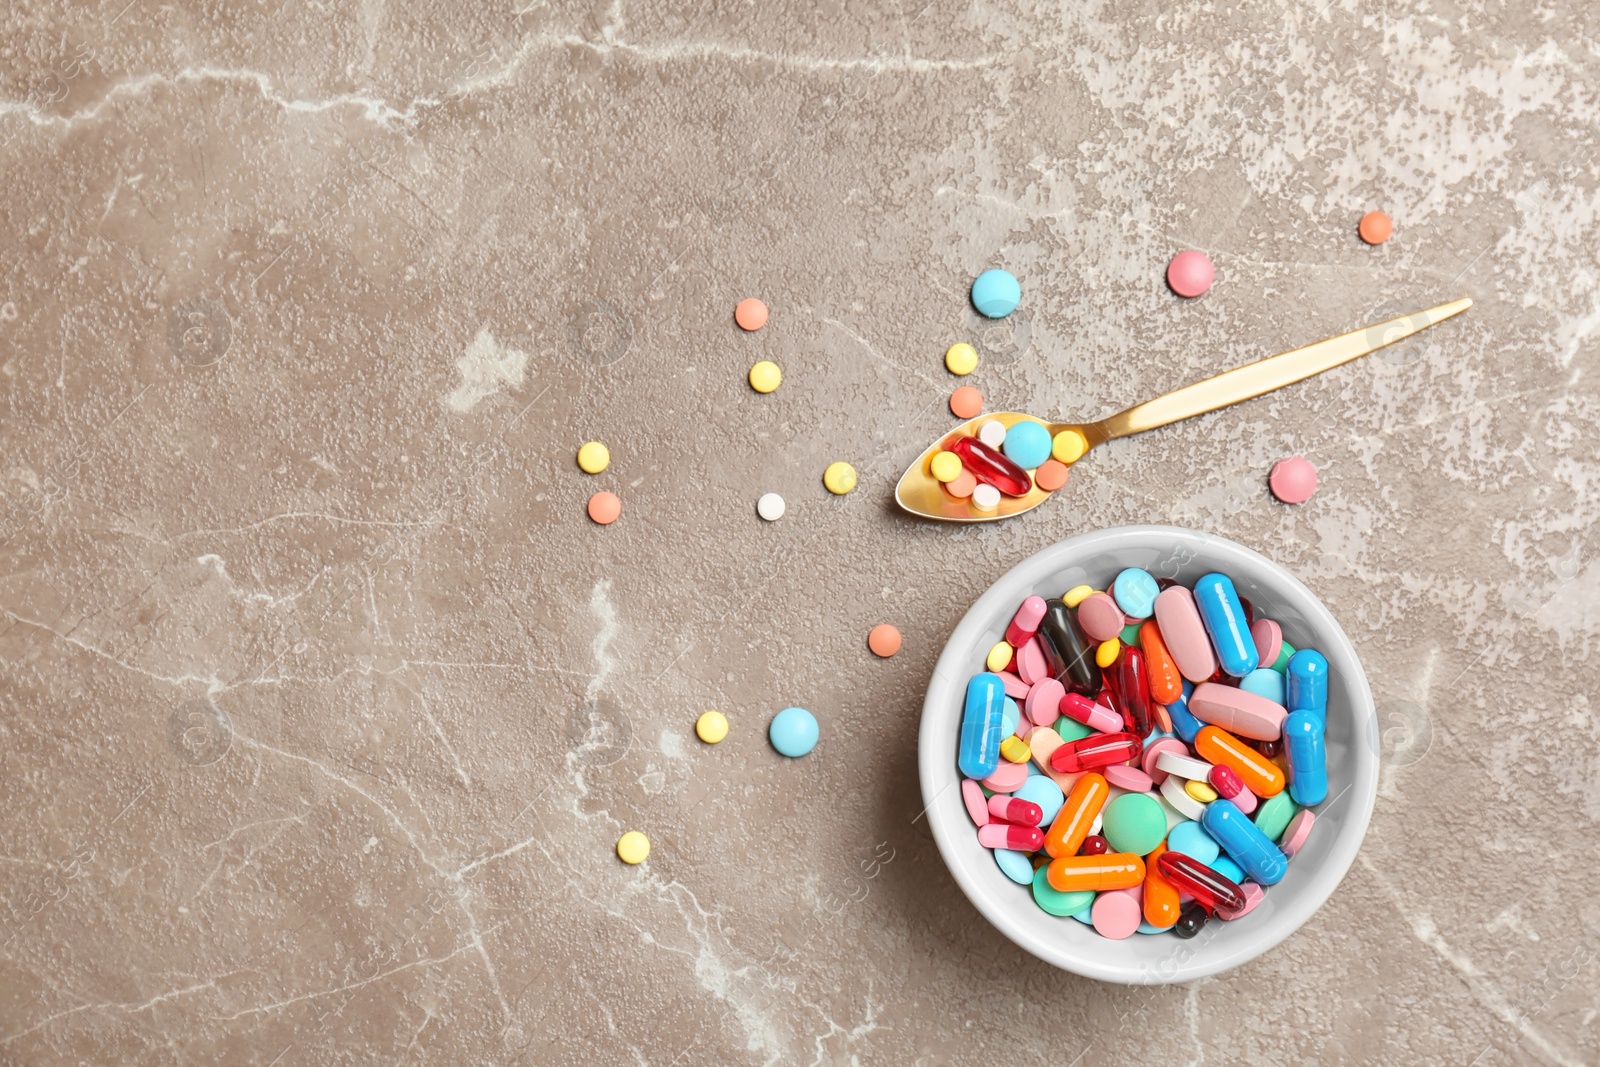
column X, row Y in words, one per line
column 1100, row 617
column 1016, row 688
column 1044, row 701
column 1294, row 836
column 1030, row 663
column 1116, row 914
column 972, row 797
column 1253, row 895
column 1190, row 273
column 1268, row 637
column 1293, row 479
column 1007, row 778
column 1152, row 752
column 1130, row 778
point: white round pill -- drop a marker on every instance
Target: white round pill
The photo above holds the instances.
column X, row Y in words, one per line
column 992, row 433
column 985, row 497
column 770, row 507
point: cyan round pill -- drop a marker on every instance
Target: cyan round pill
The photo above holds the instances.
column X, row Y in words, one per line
column 1009, row 718
column 1146, row 928
column 1041, row 790
column 1191, row 839
column 1264, row 682
column 1230, row 870
column 995, row 294
column 1015, row 865
column 1135, row 591
column 1027, row 444
column 793, row 732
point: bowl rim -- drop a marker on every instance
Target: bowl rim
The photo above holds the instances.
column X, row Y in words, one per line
column 937, row 772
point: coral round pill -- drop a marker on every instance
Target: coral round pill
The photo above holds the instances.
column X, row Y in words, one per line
column 750, row 314
column 793, row 732
column 1027, row 444
column 711, row 726
column 1375, row 227
column 1051, row 475
column 995, row 293
column 961, row 358
column 633, row 847
column 604, row 508
column 1069, row 446
column 1190, row 273
column 963, row 486
column 884, row 640
column 771, row 507
column 840, row 478
column 966, row 403
column 945, row 466
column 1293, row 479
column 594, row 457
column 765, row 376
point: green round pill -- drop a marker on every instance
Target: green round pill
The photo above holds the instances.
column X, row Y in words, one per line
column 1134, row 822
column 1281, row 664
column 1272, row 818
column 1056, row 902
column 1130, row 634
column 1071, row 729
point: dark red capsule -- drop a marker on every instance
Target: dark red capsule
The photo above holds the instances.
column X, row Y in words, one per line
column 1130, row 686
column 991, row 467
column 1191, row 920
column 1100, row 750
column 1094, row 845
column 1269, row 749
column 1210, row 889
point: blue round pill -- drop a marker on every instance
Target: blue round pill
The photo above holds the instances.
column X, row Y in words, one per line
column 1264, row 682
column 1228, row 869
column 1040, row 790
column 1146, row 928
column 1015, row 865
column 995, row 294
column 1027, row 444
column 1010, row 715
column 1135, row 591
column 1191, row 839
column 793, row 732
column 1086, row 916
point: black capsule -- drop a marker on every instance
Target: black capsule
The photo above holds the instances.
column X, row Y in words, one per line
column 1060, row 632
column 1192, row 919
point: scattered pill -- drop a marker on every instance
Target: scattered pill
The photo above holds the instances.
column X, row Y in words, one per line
column 794, row 732
column 1293, row 479
column 996, row 293
column 594, row 457
column 1190, row 273
column 883, row 640
column 1375, row 227
column 633, row 847
column 765, row 376
column 945, row 466
column 840, row 478
column 966, row 403
column 961, row 359
column 771, row 507
column 604, row 508
column 750, row 314
column 711, row 726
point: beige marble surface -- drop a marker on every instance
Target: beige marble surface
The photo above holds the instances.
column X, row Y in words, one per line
column 324, row 704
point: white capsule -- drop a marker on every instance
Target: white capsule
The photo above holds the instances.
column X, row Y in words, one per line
column 770, row 507
column 985, row 497
column 992, row 433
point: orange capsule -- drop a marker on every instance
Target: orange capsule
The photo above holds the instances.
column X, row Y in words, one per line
column 1166, row 684
column 1161, row 907
column 1263, row 777
column 1089, row 794
column 1114, row 870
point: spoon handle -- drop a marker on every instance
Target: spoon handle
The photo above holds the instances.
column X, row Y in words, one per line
column 1271, row 373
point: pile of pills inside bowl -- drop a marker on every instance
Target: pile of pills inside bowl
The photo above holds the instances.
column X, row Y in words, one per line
column 1147, row 756
column 982, row 462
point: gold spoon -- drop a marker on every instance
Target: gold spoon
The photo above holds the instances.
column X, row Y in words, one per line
column 921, row 494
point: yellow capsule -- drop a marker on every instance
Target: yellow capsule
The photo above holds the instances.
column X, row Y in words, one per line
column 765, row 376
column 1000, row 657
column 1106, row 654
column 1199, row 790
column 1015, row 750
column 840, row 478
column 961, row 358
column 1076, row 595
column 1068, row 446
column 946, row 466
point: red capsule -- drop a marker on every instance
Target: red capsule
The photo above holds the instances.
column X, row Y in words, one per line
column 1101, row 750
column 1016, row 838
column 1094, row 845
column 1012, row 810
column 990, row 466
column 1210, row 889
column 1130, row 685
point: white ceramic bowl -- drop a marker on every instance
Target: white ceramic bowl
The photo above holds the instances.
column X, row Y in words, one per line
column 1185, row 555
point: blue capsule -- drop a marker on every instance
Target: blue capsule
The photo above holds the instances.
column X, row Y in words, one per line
column 1308, row 758
column 1225, row 621
column 1243, row 840
column 980, row 726
column 1308, row 684
column 1184, row 724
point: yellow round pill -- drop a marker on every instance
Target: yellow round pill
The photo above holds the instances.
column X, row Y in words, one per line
column 1107, row 653
column 1069, row 446
column 712, row 726
column 594, row 457
column 946, row 466
column 1076, row 595
column 961, row 358
column 840, row 478
column 633, row 847
column 765, row 376
column 1200, row 791
column 1000, row 657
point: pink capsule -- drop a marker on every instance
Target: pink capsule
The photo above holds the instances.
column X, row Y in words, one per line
column 1025, row 623
column 1014, row 811
column 1226, row 781
column 1080, row 708
column 1016, row 838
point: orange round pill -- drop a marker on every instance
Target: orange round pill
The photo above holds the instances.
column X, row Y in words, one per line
column 1051, row 475
column 884, row 640
column 604, row 508
column 1375, row 228
column 963, row 486
column 751, row 314
column 966, row 403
